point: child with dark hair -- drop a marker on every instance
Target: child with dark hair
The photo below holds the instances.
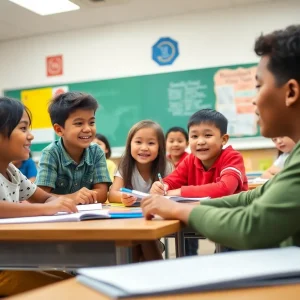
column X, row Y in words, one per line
column 267, row 216
column 102, row 141
column 143, row 160
column 15, row 140
column 210, row 170
column 72, row 165
column 177, row 140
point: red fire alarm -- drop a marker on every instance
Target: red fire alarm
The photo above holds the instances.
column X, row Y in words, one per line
column 54, row 65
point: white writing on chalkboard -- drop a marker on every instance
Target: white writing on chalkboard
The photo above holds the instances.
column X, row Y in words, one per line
column 186, row 97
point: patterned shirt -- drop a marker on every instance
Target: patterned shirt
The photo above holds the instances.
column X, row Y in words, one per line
column 60, row 172
column 16, row 189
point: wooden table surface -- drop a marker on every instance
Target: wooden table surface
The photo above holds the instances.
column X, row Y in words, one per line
column 96, row 230
column 252, row 186
column 71, row 289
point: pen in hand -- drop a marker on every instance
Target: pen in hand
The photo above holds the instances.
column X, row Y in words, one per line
column 161, row 181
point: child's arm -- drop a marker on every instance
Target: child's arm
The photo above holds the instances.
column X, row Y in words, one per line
column 14, row 210
column 101, row 190
column 83, row 196
column 232, row 176
column 172, row 182
column 115, row 196
column 269, row 173
column 227, row 185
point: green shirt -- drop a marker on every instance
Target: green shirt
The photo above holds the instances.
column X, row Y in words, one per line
column 266, row 217
column 60, row 172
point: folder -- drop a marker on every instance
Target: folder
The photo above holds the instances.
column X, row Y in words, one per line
column 194, row 274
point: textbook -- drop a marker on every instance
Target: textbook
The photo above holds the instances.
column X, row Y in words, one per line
column 61, row 217
column 85, row 212
column 141, row 195
column 229, row 270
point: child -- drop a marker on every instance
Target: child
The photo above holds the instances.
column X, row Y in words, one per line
column 102, row 141
column 73, row 166
column 15, row 140
column 177, row 141
column 284, row 145
column 27, row 168
column 144, row 158
column 267, row 216
column 210, row 170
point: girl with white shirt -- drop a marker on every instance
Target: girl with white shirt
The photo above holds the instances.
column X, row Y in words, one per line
column 284, row 145
column 143, row 160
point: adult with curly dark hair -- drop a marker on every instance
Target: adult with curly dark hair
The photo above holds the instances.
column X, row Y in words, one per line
column 268, row 216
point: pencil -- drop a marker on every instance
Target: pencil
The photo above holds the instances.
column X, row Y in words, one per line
column 161, row 181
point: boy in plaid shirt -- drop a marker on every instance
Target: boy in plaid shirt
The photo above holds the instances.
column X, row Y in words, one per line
column 73, row 166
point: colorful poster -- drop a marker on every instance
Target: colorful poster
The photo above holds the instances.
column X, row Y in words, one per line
column 235, row 91
column 37, row 101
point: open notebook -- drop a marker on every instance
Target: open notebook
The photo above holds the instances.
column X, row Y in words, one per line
column 141, row 195
column 198, row 273
column 85, row 212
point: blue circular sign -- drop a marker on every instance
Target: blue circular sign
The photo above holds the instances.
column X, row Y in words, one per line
column 165, row 51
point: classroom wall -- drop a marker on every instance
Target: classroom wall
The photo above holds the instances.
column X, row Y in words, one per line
column 215, row 38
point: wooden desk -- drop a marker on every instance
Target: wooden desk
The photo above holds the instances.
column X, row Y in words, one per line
column 76, row 244
column 71, row 289
column 253, row 186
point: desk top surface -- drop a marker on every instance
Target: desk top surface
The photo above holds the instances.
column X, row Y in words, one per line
column 96, row 230
column 71, row 289
column 252, row 186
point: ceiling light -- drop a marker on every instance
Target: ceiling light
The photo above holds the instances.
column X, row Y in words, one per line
column 47, row 7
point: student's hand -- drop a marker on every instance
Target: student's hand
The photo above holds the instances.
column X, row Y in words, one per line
column 128, row 200
column 165, row 208
column 158, row 189
column 159, row 205
column 60, row 204
column 85, row 196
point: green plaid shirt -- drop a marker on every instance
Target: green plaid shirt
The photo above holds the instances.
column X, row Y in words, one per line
column 60, row 172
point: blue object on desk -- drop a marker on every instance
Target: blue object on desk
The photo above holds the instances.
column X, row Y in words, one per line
column 123, row 215
column 137, row 194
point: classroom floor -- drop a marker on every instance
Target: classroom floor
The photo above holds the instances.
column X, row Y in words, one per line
column 205, row 247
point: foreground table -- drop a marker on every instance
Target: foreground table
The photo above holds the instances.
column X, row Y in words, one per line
column 72, row 245
column 71, row 289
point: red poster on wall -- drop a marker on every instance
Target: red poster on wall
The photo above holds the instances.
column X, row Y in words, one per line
column 54, row 65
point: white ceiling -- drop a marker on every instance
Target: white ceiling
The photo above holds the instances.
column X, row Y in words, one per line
column 17, row 22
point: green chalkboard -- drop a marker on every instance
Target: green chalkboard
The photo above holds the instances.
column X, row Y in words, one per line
column 169, row 99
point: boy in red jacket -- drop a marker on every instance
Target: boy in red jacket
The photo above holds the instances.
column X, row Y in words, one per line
column 210, row 170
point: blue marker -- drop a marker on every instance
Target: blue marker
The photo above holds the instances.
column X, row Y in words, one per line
column 134, row 193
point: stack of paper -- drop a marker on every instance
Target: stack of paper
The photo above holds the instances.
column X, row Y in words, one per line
column 197, row 273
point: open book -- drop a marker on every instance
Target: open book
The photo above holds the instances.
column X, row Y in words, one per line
column 85, row 212
column 198, row 273
column 141, row 195
column 60, row 217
